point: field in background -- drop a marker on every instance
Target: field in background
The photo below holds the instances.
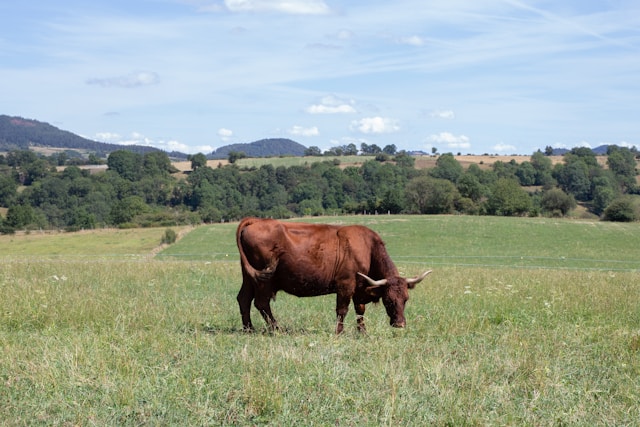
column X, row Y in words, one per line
column 463, row 241
column 422, row 162
column 102, row 243
column 524, row 321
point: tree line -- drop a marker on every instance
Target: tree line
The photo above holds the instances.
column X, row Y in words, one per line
column 144, row 189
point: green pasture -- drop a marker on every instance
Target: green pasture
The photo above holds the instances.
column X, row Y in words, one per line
column 463, row 241
column 523, row 322
column 106, row 243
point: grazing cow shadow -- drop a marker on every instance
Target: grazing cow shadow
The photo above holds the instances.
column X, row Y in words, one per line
column 212, row 329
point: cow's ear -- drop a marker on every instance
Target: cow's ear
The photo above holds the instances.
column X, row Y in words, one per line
column 375, row 291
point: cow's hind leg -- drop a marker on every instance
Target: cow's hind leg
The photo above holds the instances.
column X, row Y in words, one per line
column 342, row 307
column 245, row 296
column 263, row 305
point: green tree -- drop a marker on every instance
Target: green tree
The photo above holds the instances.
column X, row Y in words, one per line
column 574, row 179
column 126, row 209
column 622, row 163
column 470, row 187
column 126, row 164
column 557, row 203
column 505, row 169
column 404, row 160
column 508, row 199
column 350, row 150
column 8, row 190
column 156, row 163
column 369, row 149
column 310, row 207
column 544, row 169
column 526, row 174
column 603, row 195
column 390, row 149
column 234, row 156
column 20, row 158
column 584, row 154
column 427, row 195
column 393, row 200
column 313, row 151
column 197, row 161
column 36, row 170
column 19, row 216
column 447, row 167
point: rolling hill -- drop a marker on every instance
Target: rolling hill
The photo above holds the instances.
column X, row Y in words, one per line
column 17, row 133
column 271, row 147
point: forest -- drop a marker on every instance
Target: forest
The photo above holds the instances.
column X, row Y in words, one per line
column 143, row 190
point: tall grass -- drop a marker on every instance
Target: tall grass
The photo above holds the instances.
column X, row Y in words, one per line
column 121, row 341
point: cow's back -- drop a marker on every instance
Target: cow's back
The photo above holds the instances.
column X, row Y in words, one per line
column 300, row 258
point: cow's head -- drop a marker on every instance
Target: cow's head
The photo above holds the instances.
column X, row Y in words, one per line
column 394, row 292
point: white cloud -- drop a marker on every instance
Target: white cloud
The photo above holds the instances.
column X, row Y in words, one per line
column 346, row 140
column 443, row 114
column 108, row 137
column 450, row 140
column 573, row 145
column 137, row 138
column 174, row 146
column 132, row 80
column 202, row 149
column 332, row 105
column 375, row 125
column 504, row 148
column 302, row 131
column 225, row 134
column 344, row 34
column 412, row 41
column 294, row 7
column 625, row 144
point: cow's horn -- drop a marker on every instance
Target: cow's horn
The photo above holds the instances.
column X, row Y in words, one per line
column 418, row 279
column 372, row 282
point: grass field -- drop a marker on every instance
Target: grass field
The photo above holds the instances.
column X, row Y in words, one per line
column 523, row 322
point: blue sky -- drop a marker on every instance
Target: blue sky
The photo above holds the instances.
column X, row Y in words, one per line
column 469, row 76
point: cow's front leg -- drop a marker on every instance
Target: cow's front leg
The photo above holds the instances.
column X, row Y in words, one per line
column 342, row 307
column 360, row 316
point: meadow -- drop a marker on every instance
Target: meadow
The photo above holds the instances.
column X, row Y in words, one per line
column 524, row 321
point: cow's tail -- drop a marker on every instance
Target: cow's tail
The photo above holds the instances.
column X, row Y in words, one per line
column 246, row 265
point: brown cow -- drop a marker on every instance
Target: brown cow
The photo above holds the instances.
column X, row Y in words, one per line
column 318, row 259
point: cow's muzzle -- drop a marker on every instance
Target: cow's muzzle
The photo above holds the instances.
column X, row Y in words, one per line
column 400, row 324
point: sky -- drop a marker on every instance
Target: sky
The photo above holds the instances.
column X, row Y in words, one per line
column 459, row 76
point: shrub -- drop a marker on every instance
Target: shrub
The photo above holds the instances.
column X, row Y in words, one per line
column 623, row 209
column 169, row 236
column 557, row 203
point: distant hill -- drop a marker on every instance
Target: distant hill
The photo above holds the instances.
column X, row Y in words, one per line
column 17, row 133
column 598, row 151
column 271, row 147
